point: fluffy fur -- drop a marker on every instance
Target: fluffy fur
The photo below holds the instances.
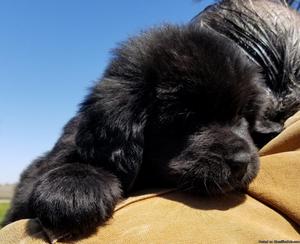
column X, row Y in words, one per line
column 182, row 106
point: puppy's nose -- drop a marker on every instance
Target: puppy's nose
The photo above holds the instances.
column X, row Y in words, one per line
column 239, row 163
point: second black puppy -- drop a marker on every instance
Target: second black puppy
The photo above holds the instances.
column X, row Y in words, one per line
column 177, row 106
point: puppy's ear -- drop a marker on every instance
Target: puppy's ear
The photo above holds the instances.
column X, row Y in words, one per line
column 264, row 131
column 111, row 130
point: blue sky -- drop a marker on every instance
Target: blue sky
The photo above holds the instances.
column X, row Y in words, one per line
column 51, row 51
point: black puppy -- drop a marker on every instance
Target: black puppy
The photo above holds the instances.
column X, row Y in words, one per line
column 177, row 106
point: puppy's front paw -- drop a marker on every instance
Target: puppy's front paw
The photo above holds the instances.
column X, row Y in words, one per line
column 72, row 200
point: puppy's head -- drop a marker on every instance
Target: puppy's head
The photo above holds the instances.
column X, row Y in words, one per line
column 208, row 97
column 201, row 98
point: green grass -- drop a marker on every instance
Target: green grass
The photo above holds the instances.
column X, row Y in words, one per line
column 3, row 208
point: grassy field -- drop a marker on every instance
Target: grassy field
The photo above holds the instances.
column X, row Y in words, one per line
column 6, row 192
column 3, row 208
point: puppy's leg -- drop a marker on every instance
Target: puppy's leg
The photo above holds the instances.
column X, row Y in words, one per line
column 78, row 183
column 74, row 198
column 70, row 199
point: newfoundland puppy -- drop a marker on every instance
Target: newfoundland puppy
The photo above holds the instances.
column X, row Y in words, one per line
column 178, row 106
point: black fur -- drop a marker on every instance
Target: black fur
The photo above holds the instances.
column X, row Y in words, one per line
column 177, row 106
